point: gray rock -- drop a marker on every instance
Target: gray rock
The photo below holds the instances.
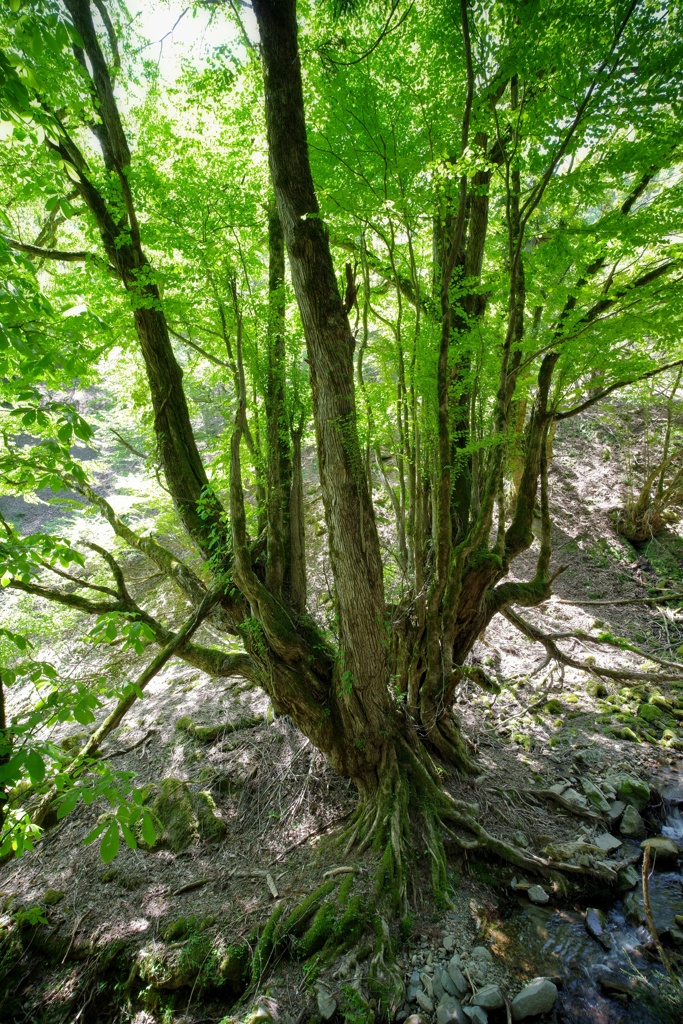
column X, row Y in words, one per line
column 401, row 1016
column 595, row 922
column 427, row 985
column 447, row 983
column 448, row 943
column 615, row 981
column 450, row 1011
column 476, row 1014
column 490, row 997
column 572, row 796
column 520, row 839
column 415, row 978
column 594, row 795
column 628, row 878
column 534, row 999
column 411, row 994
column 608, row 843
column 457, row 977
column 538, row 895
column 327, row 1004
column 482, row 953
column 632, row 824
column 424, row 1002
column 438, row 990
column 616, row 809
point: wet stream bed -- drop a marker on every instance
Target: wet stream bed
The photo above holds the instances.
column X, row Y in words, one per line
column 555, row 942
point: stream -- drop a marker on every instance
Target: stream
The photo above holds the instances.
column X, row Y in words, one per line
column 555, row 942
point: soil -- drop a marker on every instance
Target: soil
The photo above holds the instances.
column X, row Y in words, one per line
column 282, row 804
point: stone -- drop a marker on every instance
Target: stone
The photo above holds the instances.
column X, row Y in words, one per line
column 415, row 978
column 438, row 990
column 415, row 1018
column 628, row 878
column 427, row 985
column 615, row 981
column 52, row 896
column 401, row 1016
column 447, row 983
column 632, row 824
column 490, row 998
column 616, row 810
column 449, row 943
column 520, row 839
column 538, row 895
column 595, row 797
column 482, row 953
column 411, row 994
column 676, row 934
column 534, row 999
column 327, row 1004
column 633, row 792
column 185, row 724
column 608, row 843
column 457, row 977
column 663, row 851
column 424, row 1002
column 450, row 1011
column 595, row 926
column 476, row 1014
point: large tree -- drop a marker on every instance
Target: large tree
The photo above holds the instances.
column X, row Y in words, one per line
column 505, row 183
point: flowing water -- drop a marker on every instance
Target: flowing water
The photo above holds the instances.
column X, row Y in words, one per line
column 556, row 943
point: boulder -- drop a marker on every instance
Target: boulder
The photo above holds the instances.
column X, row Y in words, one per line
column 633, row 792
column 663, row 851
column 632, row 824
column 490, row 998
column 476, row 1014
column 538, row 895
column 534, row 999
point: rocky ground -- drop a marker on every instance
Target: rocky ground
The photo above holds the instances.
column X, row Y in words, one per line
column 575, row 765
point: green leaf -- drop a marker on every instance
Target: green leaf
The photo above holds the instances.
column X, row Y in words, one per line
column 35, row 766
column 148, row 831
column 109, row 846
column 128, row 836
column 68, row 803
column 97, row 831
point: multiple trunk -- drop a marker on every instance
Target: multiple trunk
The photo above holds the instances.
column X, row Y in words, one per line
column 456, row 536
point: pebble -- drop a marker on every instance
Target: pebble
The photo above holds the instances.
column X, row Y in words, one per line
column 537, row 895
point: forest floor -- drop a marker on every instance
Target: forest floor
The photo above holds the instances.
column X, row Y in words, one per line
column 133, row 941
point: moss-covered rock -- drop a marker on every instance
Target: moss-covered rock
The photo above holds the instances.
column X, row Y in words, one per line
column 185, row 724
column 52, row 896
column 650, row 713
column 632, row 791
column 182, row 818
column 212, row 828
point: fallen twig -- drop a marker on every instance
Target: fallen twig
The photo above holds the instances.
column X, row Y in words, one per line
column 189, row 886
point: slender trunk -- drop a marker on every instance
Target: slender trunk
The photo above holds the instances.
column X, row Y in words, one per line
column 354, row 543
